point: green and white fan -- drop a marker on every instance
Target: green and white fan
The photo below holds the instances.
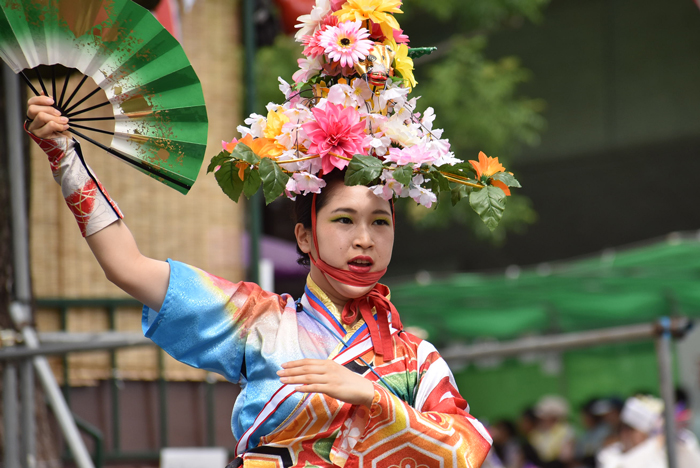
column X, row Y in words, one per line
column 160, row 120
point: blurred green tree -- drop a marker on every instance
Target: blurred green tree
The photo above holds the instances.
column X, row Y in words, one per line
column 475, row 98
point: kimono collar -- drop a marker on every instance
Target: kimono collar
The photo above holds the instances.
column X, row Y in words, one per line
column 373, row 323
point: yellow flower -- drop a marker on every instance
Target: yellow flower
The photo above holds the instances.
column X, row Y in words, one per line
column 275, row 122
column 376, row 11
column 403, row 63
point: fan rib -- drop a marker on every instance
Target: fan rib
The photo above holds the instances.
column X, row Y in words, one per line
column 29, row 83
column 65, row 87
column 80, row 85
column 53, row 83
column 106, row 103
column 90, row 119
column 134, row 162
column 41, row 82
column 91, row 94
column 106, row 132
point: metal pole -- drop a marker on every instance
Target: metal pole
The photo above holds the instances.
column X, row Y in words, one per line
column 53, row 392
column 664, row 357
column 209, row 383
column 114, row 390
column 27, row 415
column 20, row 245
column 18, row 192
column 10, row 417
column 255, row 204
column 562, row 342
column 162, row 400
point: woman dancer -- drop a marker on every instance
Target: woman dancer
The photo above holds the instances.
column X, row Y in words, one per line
column 328, row 380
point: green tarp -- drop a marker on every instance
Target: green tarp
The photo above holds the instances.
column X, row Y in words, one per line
column 616, row 288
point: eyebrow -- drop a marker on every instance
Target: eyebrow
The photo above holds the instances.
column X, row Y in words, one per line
column 378, row 211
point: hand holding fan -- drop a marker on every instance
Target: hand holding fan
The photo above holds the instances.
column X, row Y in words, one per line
column 160, row 120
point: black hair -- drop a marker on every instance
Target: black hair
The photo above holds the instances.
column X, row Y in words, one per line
column 303, row 204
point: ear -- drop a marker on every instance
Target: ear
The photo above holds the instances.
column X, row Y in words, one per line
column 304, row 238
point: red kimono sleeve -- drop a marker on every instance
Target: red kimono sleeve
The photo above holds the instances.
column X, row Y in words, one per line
column 437, row 431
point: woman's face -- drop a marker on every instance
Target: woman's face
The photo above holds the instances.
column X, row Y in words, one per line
column 355, row 233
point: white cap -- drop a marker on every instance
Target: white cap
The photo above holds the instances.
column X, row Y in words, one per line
column 552, row 406
column 643, row 413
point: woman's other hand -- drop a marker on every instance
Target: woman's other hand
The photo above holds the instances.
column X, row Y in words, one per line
column 330, row 378
column 46, row 122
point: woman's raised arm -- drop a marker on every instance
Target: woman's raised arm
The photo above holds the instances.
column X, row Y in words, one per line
column 98, row 217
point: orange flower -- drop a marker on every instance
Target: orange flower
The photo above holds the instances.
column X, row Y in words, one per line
column 487, row 166
column 502, row 186
column 263, row 147
column 240, row 165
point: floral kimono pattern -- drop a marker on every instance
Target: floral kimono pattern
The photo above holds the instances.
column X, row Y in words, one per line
column 417, row 418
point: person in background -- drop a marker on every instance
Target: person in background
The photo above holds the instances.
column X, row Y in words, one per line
column 527, row 423
column 553, row 438
column 642, row 443
column 513, row 450
column 596, row 431
column 609, row 411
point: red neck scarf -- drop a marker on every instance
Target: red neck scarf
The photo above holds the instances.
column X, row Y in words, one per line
column 376, row 298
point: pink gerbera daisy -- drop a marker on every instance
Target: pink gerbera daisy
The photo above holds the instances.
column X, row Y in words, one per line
column 346, row 43
column 335, row 131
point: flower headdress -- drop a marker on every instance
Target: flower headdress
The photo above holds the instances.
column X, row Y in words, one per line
column 349, row 108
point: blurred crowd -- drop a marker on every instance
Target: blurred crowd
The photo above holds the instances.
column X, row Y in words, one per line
column 613, row 433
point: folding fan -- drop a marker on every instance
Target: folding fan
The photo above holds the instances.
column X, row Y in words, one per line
column 160, row 121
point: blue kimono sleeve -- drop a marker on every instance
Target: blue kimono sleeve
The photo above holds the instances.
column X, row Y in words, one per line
column 204, row 320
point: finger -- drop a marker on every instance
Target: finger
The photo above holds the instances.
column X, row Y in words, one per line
column 303, row 370
column 301, row 362
column 38, row 104
column 305, row 379
column 51, row 129
column 34, row 110
column 313, row 388
column 41, row 101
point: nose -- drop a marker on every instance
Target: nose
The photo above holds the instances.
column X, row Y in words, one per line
column 363, row 237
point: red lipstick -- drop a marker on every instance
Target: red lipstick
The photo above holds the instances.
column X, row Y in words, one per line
column 360, row 264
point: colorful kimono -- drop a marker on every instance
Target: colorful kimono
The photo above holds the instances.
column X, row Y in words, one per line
column 417, row 418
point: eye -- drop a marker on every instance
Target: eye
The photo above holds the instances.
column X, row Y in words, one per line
column 382, row 222
column 343, row 220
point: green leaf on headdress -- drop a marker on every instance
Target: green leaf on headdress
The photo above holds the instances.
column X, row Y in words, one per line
column 362, row 170
column 251, row 182
column 227, row 177
column 417, row 52
column 218, row 160
column 244, row 153
column 463, row 169
column 458, row 193
column 273, row 178
column 507, row 178
column 441, row 181
column 404, row 174
column 489, row 203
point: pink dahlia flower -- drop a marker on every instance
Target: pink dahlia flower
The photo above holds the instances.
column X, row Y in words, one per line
column 346, row 43
column 313, row 42
column 336, row 131
column 313, row 45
